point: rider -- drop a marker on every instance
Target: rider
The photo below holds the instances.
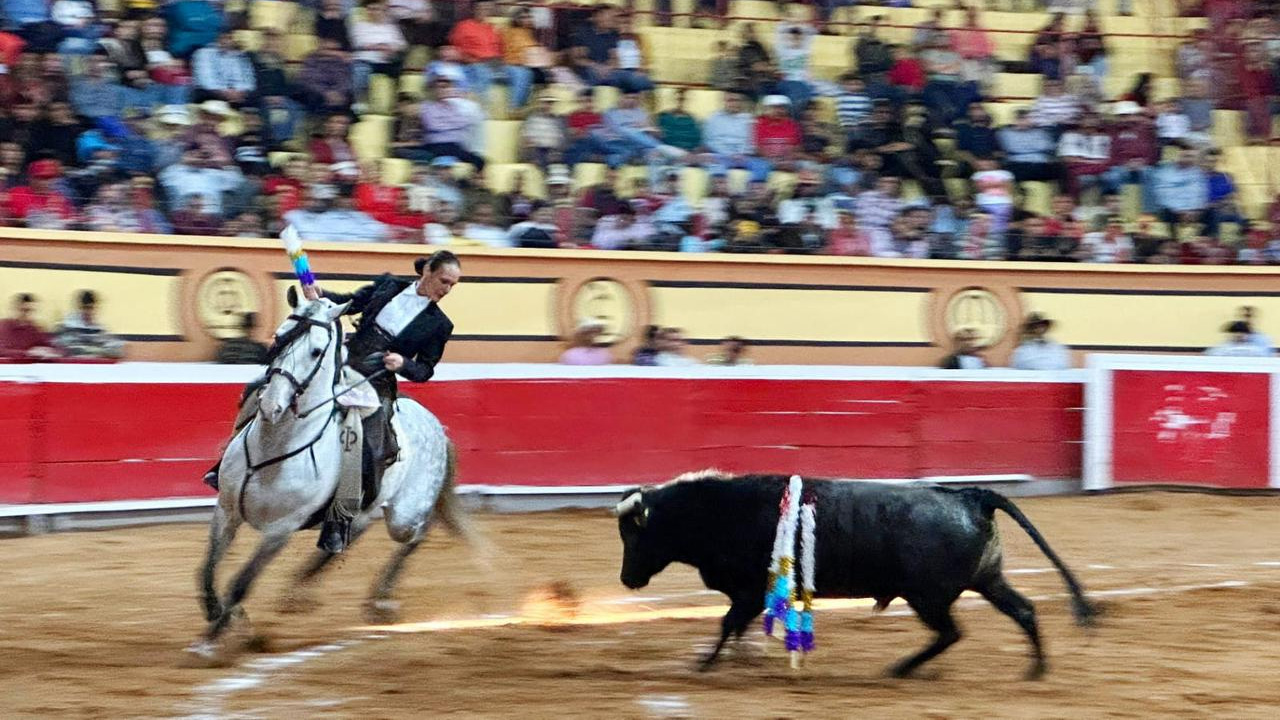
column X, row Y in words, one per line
column 402, row 327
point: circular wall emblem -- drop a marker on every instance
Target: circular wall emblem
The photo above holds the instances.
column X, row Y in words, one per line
column 979, row 310
column 222, row 299
column 606, row 301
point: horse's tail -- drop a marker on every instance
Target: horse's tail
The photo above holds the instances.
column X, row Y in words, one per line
column 449, row 510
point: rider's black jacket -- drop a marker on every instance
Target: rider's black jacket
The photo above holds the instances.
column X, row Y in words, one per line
column 421, row 342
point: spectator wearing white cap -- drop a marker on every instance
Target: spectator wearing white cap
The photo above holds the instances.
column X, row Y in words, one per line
column 1134, row 149
column 778, row 137
column 585, row 347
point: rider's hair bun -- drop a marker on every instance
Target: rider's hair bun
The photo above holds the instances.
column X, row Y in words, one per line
column 437, row 259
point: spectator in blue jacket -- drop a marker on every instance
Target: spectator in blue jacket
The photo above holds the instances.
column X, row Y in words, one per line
column 193, row 24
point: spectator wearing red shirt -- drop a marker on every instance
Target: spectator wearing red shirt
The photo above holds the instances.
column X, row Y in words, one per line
column 581, row 124
column 1134, row 148
column 287, row 188
column 403, row 222
column 778, row 135
column 20, row 337
column 374, row 198
column 1257, row 85
column 479, row 43
column 330, row 145
column 907, row 71
column 39, row 203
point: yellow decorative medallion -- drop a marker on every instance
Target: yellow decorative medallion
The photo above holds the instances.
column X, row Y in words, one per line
column 608, row 302
column 979, row 310
column 222, row 300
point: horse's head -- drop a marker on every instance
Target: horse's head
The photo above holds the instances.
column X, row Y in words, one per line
column 304, row 359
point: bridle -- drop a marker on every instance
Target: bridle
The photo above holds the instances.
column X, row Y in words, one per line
column 282, row 343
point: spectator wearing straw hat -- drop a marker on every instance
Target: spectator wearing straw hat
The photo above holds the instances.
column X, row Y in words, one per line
column 966, row 353
column 1037, row 351
column 586, row 348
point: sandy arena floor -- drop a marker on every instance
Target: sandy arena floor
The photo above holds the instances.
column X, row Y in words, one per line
column 94, row 624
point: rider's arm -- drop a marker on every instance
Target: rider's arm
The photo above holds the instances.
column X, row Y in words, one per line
column 421, row 367
column 358, row 299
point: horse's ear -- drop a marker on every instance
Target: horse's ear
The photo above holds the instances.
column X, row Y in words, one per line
column 292, row 297
column 338, row 311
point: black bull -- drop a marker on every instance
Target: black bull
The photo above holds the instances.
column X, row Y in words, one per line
column 925, row 544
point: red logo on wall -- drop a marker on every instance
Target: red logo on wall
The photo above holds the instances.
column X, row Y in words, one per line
column 1199, row 428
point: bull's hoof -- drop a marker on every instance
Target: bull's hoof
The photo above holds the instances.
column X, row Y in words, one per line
column 382, row 611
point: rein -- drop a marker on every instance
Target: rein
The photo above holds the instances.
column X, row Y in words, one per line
column 283, row 342
column 300, row 387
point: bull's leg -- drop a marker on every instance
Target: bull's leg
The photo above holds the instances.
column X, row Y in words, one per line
column 937, row 615
column 741, row 612
column 1012, row 603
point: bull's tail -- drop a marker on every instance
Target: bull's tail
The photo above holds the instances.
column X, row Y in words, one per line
column 1084, row 611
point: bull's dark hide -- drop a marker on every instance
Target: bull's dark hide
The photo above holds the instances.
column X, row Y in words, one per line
column 925, row 544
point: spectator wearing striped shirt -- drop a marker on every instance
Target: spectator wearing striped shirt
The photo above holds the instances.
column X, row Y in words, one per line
column 1054, row 109
column 876, row 209
column 853, row 105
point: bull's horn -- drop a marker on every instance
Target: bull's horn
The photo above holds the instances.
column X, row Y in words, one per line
column 629, row 504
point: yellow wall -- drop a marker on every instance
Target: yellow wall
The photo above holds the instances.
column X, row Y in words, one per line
column 175, row 296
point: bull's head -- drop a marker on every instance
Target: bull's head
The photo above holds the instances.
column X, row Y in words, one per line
column 643, row 547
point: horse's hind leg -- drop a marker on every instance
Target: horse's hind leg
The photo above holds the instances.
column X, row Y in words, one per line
column 381, row 608
column 299, row 598
column 222, row 531
column 270, row 546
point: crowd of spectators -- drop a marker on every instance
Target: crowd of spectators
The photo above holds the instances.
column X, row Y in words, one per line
column 79, row 336
column 155, row 119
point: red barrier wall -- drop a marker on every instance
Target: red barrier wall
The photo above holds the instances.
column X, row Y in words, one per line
column 78, row 441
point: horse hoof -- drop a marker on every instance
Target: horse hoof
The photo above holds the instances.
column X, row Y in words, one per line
column 204, row 654
column 382, row 612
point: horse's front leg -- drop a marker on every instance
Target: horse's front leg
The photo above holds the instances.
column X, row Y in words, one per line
column 222, row 531
column 270, row 546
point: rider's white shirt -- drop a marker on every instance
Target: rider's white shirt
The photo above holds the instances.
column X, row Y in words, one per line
column 403, row 308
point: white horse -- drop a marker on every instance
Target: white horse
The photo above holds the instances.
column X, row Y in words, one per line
column 281, row 470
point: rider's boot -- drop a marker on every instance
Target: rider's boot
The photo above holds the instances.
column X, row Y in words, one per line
column 211, row 477
column 335, row 533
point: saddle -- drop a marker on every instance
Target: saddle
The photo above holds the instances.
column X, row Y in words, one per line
column 362, row 464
